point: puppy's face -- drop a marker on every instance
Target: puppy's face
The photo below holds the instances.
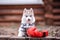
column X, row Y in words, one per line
column 28, row 16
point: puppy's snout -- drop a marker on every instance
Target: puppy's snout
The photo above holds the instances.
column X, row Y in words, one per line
column 28, row 19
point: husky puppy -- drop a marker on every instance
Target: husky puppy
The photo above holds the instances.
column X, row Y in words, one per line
column 27, row 21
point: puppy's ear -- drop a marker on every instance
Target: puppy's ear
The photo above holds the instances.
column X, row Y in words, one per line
column 32, row 12
column 31, row 9
column 24, row 10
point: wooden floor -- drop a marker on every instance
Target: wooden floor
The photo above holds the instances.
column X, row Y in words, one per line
column 27, row 38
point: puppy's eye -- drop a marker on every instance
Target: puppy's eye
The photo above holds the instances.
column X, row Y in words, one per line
column 26, row 16
column 30, row 15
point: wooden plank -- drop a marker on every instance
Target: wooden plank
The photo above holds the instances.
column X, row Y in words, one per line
column 56, row 17
column 17, row 18
column 10, row 18
column 56, row 23
column 48, row 7
column 56, row 0
column 25, row 38
column 56, row 10
column 4, row 36
column 18, row 11
column 39, row 18
column 9, row 24
column 55, row 3
column 48, row 1
column 47, row 15
column 21, row 6
column 17, row 24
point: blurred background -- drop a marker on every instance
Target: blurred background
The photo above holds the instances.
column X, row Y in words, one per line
column 47, row 14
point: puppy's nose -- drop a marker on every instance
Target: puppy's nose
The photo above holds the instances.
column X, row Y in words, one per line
column 28, row 19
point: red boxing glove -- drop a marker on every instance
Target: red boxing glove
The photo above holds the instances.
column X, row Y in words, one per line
column 33, row 32
column 45, row 33
column 38, row 34
column 30, row 31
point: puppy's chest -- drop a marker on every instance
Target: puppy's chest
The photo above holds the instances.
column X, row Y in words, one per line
column 24, row 27
column 27, row 25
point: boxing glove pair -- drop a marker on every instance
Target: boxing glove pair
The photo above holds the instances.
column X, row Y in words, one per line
column 34, row 32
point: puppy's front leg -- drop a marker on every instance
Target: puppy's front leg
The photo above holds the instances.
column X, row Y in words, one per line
column 21, row 34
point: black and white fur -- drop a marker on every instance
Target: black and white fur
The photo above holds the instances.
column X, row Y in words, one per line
column 27, row 21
